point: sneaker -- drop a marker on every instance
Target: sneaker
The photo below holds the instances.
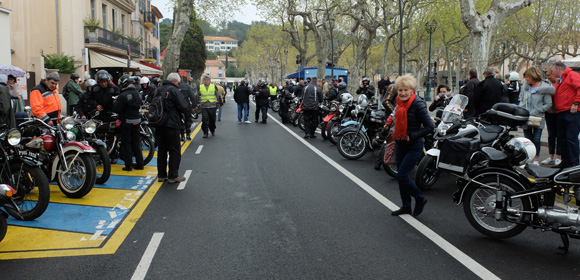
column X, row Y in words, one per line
column 247, row 122
column 188, row 137
column 161, row 179
column 403, row 210
column 547, row 161
column 239, row 122
column 178, row 179
column 313, row 136
column 536, row 162
column 557, row 161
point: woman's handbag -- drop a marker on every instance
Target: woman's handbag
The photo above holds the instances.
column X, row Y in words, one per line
column 534, row 121
column 389, row 158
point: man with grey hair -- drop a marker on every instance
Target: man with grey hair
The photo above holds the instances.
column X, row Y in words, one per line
column 45, row 100
column 167, row 136
column 488, row 92
column 566, row 100
column 209, row 99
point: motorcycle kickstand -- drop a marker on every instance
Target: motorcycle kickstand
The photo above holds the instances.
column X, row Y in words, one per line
column 566, row 242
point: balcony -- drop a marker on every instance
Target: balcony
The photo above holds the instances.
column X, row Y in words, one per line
column 104, row 40
column 149, row 19
column 151, row 55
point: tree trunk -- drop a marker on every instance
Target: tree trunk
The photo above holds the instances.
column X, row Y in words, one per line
column 180, row 26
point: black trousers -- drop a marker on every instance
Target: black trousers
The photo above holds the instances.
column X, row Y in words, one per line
column 264, row 110
column 310, row 121
column 168, row 141
column 131, row 145
column 208, row 119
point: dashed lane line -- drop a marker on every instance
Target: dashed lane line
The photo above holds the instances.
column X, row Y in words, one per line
column 182, row 184
column 147, row 258
column 198, row 151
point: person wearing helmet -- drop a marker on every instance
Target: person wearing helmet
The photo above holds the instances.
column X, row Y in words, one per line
column 285, row 98
column 156, row 82
column 147, row 90
column 262, row 102
column 103, row 94
column 45, row 100
column 72, row 92
column 332, row 94
column 513, row 88
column 86, row 104
column 127, row 105
column 366, row 88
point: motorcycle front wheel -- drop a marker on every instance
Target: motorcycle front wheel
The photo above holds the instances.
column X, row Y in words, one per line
column 479, row 207
column 81, row 175
column 332, row 129
column 32, row 192
column 323, row 130
column 352, row 145
column 427, row 172
column 3, row 225
column 300, row 122
column 103, row 164
column 276, row 105
column 148, row 148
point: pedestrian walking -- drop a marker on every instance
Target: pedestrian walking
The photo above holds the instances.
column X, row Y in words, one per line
column 209, row 101
column 222, row 93
column 127, row 105
column 6, row 111
column 469, row 91
column 242, row 99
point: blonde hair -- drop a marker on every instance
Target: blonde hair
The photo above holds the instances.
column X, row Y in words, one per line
column 533, row 73
column 406, row 81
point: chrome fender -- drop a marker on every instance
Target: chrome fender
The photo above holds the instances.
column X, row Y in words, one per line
column 434, row 152
column 77, row 147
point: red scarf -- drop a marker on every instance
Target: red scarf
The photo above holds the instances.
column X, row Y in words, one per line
column 401, row 117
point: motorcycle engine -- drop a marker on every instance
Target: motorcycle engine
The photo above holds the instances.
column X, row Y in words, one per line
column 561, row 217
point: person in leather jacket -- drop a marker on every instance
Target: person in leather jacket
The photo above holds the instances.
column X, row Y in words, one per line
column 262, row 102
column 86, row 106
column 367, row 89
column 127, row 105
column 103, row 95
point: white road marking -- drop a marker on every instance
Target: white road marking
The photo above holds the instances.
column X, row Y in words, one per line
column 182, row 184
column 145, row 262
column 461, row 257
column 198, row 151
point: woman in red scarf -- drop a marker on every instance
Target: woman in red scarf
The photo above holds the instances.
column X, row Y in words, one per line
column 412, row 123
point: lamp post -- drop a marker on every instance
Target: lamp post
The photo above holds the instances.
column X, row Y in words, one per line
column 430, row 29
column 502, row 59
column 400, row 39
column 331, row 38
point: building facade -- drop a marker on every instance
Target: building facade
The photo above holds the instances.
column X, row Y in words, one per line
column 217, row 43
column 216, row 70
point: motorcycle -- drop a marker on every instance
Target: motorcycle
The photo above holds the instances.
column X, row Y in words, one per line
column 452, row 132
column 31, row 194
column 334, row 111
column 275, row 103
column 346, row 108
column 64, row 159
column 295, row 109
column 500, row 201
column 323, row 110
column 84, row 131
column 358, row 136
column 6, row 193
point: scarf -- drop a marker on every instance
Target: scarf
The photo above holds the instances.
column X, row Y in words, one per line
column 401, row 117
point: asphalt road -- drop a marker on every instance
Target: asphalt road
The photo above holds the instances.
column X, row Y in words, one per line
column 264, row 203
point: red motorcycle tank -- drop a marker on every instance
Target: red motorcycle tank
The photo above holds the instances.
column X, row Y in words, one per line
column 49, row 142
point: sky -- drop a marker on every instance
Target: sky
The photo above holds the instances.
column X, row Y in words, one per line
column 245, row 14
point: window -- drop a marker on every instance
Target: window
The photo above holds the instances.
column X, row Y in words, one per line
column 208, row 73
column 210, row 47
column 104, row 15
column 93, row 10
column 220, row 74
column 123, row 23
column 223, row 48
column 207, row 68
column 220, row 68
column 114, row 19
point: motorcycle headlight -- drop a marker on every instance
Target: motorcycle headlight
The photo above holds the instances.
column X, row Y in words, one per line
column 14, row 137
column 90, row 127
column 68, row 123
column 70, row 136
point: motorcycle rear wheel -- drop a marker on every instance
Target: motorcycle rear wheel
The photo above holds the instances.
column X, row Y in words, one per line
column 352, row 145
column 103, row 165
column 32, row 192
column 323, row 130
column 427, row 172
column 3, row 225
column 300, row 122
column 148, row 148
column 82, row 175
column 479, row 207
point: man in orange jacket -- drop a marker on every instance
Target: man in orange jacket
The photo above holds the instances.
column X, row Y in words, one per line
column 45, row 100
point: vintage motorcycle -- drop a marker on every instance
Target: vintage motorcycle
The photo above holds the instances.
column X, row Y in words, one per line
column 347, row 106
column 32, row 192
column 500, row 200
column 84, row 131
column 64, row 159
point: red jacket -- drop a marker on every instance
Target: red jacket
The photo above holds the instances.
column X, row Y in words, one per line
column 567, row 90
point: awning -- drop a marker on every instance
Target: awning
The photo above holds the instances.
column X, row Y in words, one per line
column 101, row 60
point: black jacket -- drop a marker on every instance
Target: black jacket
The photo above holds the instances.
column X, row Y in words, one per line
column 175, row 105
column 242, row 94
column 86, row 105
column 312, row 97
column 513, row 90
column 332, row 94
column 128, row 104
column 382, row 86
column 188, row 94
column 104, row 97
column 442, row 102
column 147, row 93
column 487, row 94
column 263, row 97
column 469, row 91
column 419, row 123
column 368, row 91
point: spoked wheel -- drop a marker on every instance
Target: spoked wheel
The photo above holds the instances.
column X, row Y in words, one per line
column 352, row 145
column 323, row 130
column 103, row 164
column 81, row 176
column 301, row 122
column 32, row 192
column 332, row 129
column 427, row 172
column 276, row 105
column 148, row 148
column 391, row 169
column 479, row 207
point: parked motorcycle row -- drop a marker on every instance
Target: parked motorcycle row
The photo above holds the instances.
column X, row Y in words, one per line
column 501, row 193
column 75, row 153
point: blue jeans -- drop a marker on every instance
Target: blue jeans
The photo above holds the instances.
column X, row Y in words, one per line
column 219, row 117
column 568, row 129
column 407, row 155
column 534, row 134
column 552, row 126
column 243, row 108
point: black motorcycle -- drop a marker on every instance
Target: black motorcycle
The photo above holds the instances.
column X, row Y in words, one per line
column 85, row 132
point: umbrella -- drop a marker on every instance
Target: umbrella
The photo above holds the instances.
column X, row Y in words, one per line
column 12, row 70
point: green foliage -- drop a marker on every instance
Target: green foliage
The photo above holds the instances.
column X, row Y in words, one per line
column 64, row 63
column 91, row 22
column 193, row 54
column 235, row 72
column 165, row 31
column 211, row 55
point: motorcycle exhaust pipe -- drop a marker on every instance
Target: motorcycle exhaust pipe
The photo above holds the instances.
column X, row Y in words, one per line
column 564, row 218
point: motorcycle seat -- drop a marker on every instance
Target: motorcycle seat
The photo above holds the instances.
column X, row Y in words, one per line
column 494, row 154
column 541, row 172
column 489, row 133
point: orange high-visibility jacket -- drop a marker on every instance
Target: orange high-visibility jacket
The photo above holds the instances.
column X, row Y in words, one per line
column 44, row 101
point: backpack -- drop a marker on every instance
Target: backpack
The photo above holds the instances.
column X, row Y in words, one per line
column 64, row 92
column 157, row 116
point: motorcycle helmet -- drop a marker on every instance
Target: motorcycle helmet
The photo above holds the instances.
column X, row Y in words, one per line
column 363, row 101
column 346, row 97
column 264, row 84
column 74, row 76
column 366, row 80
column 514, row 76
column 280, row 87
column 126, row 80
column 90, row 83
column 144, row 80
column 103, row 75
column 156, row 81
column 341, row 85
column 521, row 150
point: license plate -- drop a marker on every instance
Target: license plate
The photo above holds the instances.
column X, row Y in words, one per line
column 29, row 154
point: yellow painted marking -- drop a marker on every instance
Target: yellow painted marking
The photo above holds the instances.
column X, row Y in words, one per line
column 97, row 197
column 19, row 239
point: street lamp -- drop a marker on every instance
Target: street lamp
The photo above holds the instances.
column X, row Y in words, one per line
column 331, row 38
column 430, row 29
column 400, row 39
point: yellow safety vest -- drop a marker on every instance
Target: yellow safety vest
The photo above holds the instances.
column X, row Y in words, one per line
column 273, row 90
column 207, row 95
